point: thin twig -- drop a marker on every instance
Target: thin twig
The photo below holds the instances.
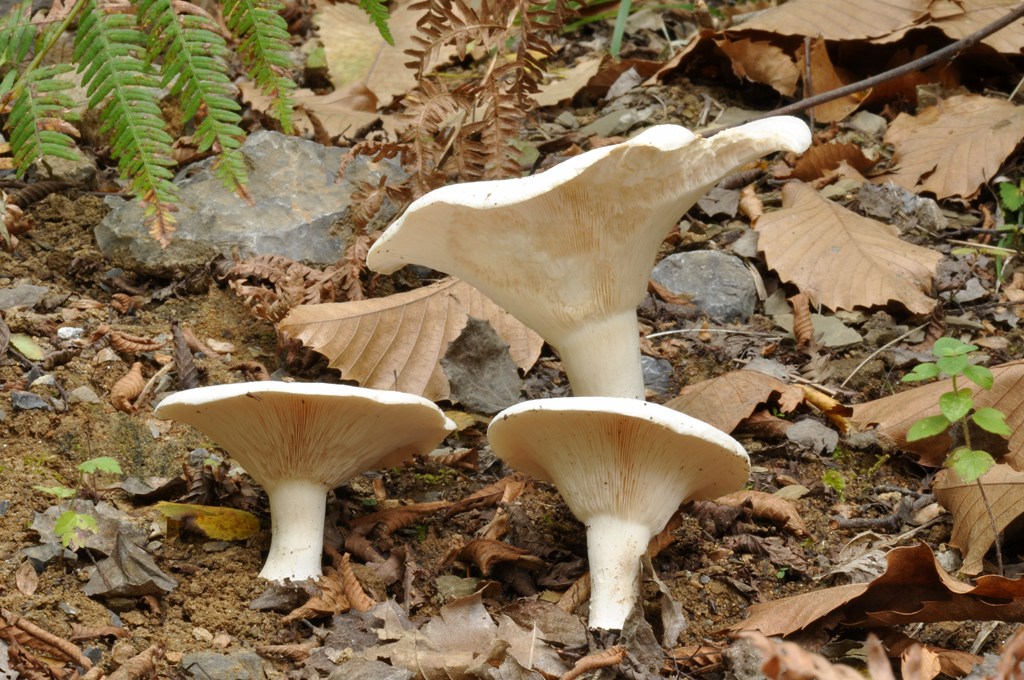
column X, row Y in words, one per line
column 947, row 52
column 880, row 350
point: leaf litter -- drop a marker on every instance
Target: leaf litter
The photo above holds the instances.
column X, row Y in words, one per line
column 754, row 548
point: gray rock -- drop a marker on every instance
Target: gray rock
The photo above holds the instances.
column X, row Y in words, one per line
column 870, row 124
column 83, row 395
column 657, row 374
column 717, row 283
column 900, row 207
column 80, row 172
column 25, row 295
column 300, row 208
column 814, row 435
column 365, row 669
column 27, row 401
column 480, row 370
column 233, row 666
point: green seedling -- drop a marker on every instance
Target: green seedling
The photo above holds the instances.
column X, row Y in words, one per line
column 952, row 360
column 834, row 480
column 73, row 528
column 1011, row 200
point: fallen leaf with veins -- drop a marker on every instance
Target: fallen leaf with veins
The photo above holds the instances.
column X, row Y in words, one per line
column 892, row 416
column 842, row 260
column 767, row 506
column 216, row 522
column 397, row 342
column 728, row 399
column 955, row 146
column 913, row 589
column 973, row 533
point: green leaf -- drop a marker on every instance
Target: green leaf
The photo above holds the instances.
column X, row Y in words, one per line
column 951, row 347
column 925, row 371
column 58, row 491
column 956, row 405
column 378, row 13
column 71, row 526
column 952, row 365
column 1011, row 196
column 992, row 420
column 979, row 375
column 927, row 427
column 969, row 465
column 101, row 464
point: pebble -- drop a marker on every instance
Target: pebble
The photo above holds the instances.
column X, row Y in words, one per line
column 83, row 395
column 105, row 356
column 232, row 666
column 657, row 374
column 25, row 295
column 69, row 333
column 716, row 283
column 26, row 401
column 202, row 635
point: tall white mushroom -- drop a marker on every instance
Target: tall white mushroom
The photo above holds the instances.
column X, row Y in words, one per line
column 623, row 467
column 299, row 441
column 569, row 251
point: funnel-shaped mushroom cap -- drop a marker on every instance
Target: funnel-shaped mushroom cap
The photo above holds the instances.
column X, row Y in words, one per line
column 327, row 433
column 623, row 467
column 299, row 440
column 574, row 246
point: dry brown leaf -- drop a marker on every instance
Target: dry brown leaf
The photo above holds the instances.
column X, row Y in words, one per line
column 142, row 665
column 954, row 147
column 296, row 652
column 842, row 260
column 21, row 630
column 602, row 658
column 329, row 600
column 825, row 78
column 973, row 533
column 892, row 416
column 80, row 632
column 26, row 579
column 952, row 662
column 726, row 400
column 356, row 53
column 802, row 328
column 761, row 62
column 789, row 661
column 564, row 84
column 393, row 519
column 750, row 206
column 834, row 411
column 397, row 342
column 767, row 506
column 837, row 20
column 913, row 588
column 820, row 160
column 576, row 594
column 486, row 553
column 959, row 18
column 351, row 586
column 491, row 494
column 1010, row 657
column 127, row 388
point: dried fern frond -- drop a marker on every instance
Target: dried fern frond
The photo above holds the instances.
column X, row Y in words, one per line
column 195, row 68
column 110, row 50
column 263, row 46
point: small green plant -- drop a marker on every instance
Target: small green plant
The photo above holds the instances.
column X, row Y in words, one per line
column 72, row 528
column 953, row 360
column 834, row 480
column 1011, row 200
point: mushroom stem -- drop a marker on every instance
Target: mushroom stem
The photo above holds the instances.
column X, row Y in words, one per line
column 614, row 549
column 602, row 357
column 297, row 510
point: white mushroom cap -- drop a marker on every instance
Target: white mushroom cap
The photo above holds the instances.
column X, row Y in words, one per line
column 299, row 440
column 623, row 467
column 569, row 251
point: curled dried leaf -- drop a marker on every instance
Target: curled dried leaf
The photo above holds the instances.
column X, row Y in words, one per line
column 29, row 634
column 125, row 303
column 352, row 588
column 142, row 665
column 296, row 652
column 253, row 370
column 394, row 519
column 127, row 388
column 489, row 495
column 603, row 658
column 486, row 553
column 124, row 342
column 767, row 506
column 802, row 327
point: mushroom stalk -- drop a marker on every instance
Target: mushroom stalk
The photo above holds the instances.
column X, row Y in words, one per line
column 297, row 510
column 602, row 358
column 614, row 549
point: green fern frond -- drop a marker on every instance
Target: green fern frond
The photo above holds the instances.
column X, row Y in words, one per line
column 17, row 33
column 378, row 13
column 263, row 46
column 195, row 68
column 110, row 51
column 38, row 120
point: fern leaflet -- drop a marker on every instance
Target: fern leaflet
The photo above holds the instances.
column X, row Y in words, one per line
column 263, row 46
column 195, row 68
column 110, row 51
column 377, row 11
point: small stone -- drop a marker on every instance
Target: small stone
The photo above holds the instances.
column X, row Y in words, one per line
column 46, row 380
column 83, row 395
column 234, row 666
column 716, row 283
column 105, row 356
column 202, row 635
column 80, row 171
column 26, row 401
column 66, row 333
column 367, row 669
column 21, row 296
column 657, row 374
column 870, row 124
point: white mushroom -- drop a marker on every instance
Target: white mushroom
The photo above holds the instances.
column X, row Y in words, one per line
column 623, row 467
column 299, row 441
column 569, row 251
